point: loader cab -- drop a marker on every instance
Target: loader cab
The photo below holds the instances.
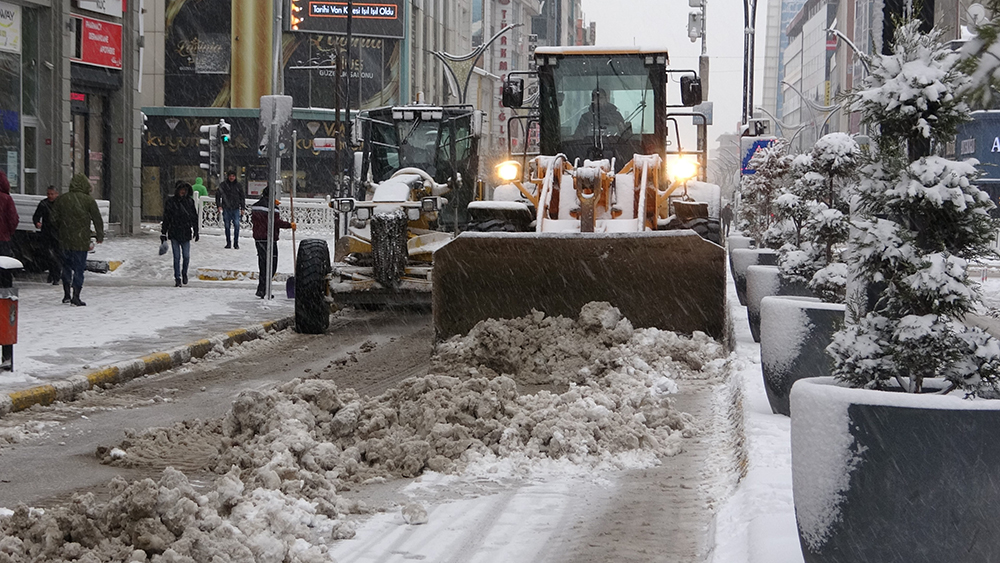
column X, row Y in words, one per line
column 443, row 141
column 601, row 104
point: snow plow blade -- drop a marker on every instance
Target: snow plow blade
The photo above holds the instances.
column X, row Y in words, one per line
column 672, row 280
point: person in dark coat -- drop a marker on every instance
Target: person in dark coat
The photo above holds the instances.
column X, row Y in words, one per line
column 230, row 200
column 8, row 224
column 72, row 213
column 42, row 219
column 601, row 115
column 180, row 225
column 727, row 219
column 258, row 218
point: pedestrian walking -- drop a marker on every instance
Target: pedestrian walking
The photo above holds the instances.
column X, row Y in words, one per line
column 73, row 212
column 42, row 218
column 8, row 224
column 258, row 218
column 199, row 188
column 230, row 200
column 727, row 218
column 180, row 225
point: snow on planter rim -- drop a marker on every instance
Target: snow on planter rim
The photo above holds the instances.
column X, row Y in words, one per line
column 820, row 426
column 785, row 323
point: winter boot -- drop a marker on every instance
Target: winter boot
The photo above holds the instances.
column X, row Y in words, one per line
column 177, row 282
column 184, row 278
column 76, row 298
column 66, row 297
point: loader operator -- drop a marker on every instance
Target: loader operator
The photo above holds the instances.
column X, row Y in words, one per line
column 603, row 114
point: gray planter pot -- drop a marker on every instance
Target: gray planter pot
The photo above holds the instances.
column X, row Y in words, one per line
column 763, row 281
column 794, row 334
column 894, row 477
column 742, row 258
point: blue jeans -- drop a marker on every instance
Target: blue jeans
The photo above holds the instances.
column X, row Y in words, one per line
column 232, row 217
column 74, row 264
column 179, row 248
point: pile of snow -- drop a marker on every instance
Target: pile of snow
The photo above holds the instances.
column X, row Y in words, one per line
column 286, row 452
column 175, row 524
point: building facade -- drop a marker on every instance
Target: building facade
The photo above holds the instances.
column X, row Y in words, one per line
column 68, row 100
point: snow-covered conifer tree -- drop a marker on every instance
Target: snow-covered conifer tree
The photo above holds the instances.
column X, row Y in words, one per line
column 815, row 205
column 758, row 190
column 919, row 221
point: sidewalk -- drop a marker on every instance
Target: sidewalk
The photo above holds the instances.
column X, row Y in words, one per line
column 136, row 310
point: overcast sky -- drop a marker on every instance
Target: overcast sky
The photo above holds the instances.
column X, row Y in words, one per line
column 664, row 23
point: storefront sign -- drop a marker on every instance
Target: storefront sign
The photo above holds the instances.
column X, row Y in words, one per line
column 98, row 43
column 109, row 7
column 10, row 28
column 377, row 18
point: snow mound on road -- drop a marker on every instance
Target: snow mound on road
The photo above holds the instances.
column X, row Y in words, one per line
column 284, row 453
column 171, row 522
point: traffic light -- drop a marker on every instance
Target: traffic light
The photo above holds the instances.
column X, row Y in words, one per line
column 211, row 139
column 224, row 129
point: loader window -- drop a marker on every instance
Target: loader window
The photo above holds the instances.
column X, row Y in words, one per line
column 606, row 106
column 419, row 145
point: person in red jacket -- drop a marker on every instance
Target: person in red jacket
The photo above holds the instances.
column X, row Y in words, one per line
column 8, row 224
column 258, row 218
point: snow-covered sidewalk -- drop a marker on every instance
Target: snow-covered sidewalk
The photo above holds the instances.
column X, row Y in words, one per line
column 136, row 310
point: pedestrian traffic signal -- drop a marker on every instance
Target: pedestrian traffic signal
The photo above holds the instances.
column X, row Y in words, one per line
column 211, row 139
column 224, row 132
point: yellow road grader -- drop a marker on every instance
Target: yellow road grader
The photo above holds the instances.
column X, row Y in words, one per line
column 602, row 212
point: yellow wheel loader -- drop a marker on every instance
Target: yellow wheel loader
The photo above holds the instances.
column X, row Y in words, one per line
column 419, row 171
column 604, row 212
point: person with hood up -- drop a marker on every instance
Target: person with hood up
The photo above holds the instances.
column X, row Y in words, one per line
column 8, row 224
column 231, row 203
column 72, row 213
column 50, row 238
column 180, row 225
column 199, row 188
column 258, row 218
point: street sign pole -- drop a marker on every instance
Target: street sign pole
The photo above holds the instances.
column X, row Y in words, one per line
column 272, row 150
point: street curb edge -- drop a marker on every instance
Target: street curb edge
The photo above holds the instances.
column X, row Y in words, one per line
column 68, row 389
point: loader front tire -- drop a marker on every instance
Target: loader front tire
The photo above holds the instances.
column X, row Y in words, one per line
column 312, row 272
column 707, row 229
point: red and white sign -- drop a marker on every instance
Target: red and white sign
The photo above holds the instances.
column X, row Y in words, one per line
column 324, row 144
column 99, row 43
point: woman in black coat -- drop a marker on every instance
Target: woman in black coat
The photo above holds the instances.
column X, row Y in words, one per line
column 180, row 225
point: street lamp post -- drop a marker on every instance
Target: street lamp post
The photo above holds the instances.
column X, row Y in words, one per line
column 749, row 24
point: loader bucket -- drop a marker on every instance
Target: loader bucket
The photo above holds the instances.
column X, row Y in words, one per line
column 672, row 280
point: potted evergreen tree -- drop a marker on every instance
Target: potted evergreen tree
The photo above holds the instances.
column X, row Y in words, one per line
column 772, row 165
column 815, row 211
column 897, row 457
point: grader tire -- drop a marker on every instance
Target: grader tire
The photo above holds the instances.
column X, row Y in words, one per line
column 312, row 270
column 389, row 254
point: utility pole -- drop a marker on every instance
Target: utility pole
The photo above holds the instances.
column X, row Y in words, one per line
column 749, row 25
column 274, row 158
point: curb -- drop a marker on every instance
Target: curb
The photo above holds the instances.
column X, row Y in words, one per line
column 68, row 389
column 216, row 274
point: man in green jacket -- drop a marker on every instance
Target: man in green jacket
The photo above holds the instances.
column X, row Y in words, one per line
column 72, row 213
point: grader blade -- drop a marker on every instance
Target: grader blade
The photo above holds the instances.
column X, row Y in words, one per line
column 672, row 280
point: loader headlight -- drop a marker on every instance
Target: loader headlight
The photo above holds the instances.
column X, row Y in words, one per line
column 413, row 213
column 684, row 169
column 363, row 213
column 508, row 171
column 345, row 205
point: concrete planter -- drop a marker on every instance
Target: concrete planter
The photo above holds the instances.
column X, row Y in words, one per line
column 794, row 334
column 763, row 281
column 894, row 477
column 742, row 258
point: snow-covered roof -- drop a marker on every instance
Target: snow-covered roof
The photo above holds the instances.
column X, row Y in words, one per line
column 597, row 50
